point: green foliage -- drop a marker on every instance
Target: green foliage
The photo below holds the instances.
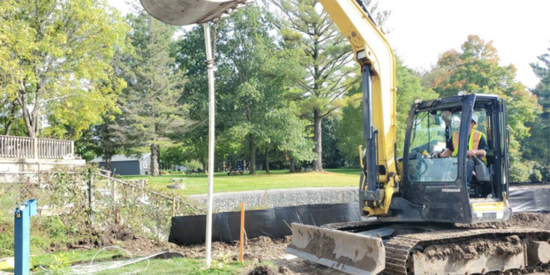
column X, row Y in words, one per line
column 262, row 76
column 476, row 70
column 349, row 129
column 255, row 79
column 537, row 146
column 192, row 165
column 331, row 154
column 287, row 133
column 55, row 58
column 61, row 261
column 151, row 113
column 306, row 27
column 174, row 155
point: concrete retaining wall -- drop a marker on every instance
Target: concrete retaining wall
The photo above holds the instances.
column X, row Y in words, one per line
column 231, row 201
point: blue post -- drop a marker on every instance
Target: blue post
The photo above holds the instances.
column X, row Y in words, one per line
column 22, row 217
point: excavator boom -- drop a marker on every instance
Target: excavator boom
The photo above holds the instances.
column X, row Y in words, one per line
column 375, row 56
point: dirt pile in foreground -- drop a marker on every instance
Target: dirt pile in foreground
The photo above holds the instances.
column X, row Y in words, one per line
column 532, row 220
column 261, row 248
column 262, row 270
column 518, row 220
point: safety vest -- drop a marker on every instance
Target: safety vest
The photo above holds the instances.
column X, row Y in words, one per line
column 473, row 143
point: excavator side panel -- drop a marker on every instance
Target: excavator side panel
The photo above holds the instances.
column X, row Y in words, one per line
column 348, row 252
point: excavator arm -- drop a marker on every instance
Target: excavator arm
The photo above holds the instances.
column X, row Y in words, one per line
column 374, row 55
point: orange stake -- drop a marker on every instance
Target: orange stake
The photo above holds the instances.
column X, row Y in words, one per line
column 242, row 233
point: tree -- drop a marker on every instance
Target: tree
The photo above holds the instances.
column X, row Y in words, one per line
column 332, row 158
column 537, row 146
column 268, row 75
column 475, row 69
column 287, row 134
column 56, row 70
column 151, row 113
column 255, row 77
column 349, row 129
column 10, row 119
column 329, row 66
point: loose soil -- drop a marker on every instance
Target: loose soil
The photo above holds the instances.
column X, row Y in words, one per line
column 469, row 250
column 264, row 249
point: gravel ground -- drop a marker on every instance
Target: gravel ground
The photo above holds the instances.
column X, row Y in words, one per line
column 231, row 201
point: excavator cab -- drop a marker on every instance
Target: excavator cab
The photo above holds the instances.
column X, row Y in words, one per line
column 440, row 189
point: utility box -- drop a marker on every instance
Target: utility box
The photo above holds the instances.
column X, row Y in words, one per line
column 22, row 219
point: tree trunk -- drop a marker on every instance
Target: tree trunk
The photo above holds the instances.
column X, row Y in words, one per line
column 291, row 168
column 8, row 128
column 317, row 119
column 252, row 144
column 26, row 115
column 204, row 165
column 11, row 119
column 155, row 150
column 267, row 160
column 107, row 156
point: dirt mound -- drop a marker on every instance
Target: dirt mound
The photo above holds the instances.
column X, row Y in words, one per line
column 284, row 270
column 263, row 240
column 529, row 220
column 169, row 255
column 262, row 270
column 533, row 220
column 262, row 248
column 119, row 236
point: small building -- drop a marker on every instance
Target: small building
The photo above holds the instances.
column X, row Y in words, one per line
column 127, row 165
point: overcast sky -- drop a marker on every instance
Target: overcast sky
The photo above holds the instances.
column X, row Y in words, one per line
column 421, row 30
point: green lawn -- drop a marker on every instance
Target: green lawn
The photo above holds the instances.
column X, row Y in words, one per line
column 278, row 179
column 71, row 261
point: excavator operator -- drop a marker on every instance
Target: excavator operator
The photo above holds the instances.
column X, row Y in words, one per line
column 477, row 147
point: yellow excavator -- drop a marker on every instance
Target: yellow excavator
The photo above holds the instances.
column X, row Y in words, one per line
column 423, row 214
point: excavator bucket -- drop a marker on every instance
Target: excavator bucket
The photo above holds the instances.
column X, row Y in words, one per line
column 187, row 12
column 348, row 252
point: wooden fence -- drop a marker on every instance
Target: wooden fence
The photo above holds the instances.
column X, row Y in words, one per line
column 38, row 148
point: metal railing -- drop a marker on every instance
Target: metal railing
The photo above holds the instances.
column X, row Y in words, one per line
column 38, row 148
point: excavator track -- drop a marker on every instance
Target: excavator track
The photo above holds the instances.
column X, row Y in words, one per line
column 399, row 249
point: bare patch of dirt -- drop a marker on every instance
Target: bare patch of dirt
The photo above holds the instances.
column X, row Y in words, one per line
column 523, row 220
column 261, row 249
column 266, row 249
column 262, row 270
column 533, row 220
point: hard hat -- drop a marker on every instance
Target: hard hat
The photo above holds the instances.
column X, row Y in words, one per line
column 474, row 118
column 456, row 122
